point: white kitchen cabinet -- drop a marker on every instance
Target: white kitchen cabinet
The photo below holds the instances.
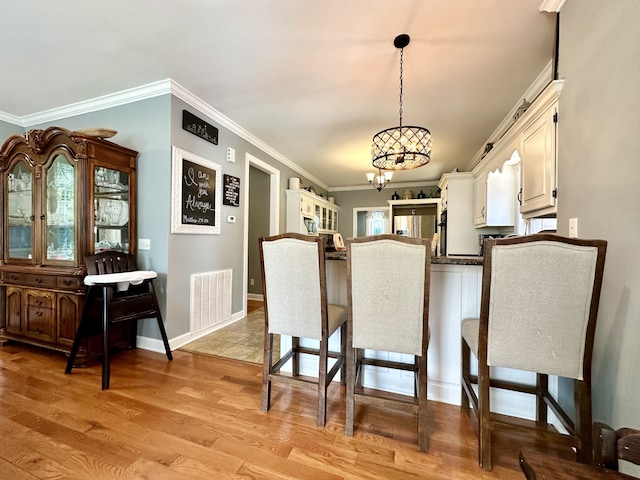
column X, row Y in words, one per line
column 459, row 237
column 539, row 150
column 304, row 207
column 495, row 198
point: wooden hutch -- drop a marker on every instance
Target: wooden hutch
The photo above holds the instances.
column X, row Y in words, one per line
column 65, row 195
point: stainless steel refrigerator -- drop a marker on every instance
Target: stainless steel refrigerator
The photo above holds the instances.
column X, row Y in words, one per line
column 416, row 226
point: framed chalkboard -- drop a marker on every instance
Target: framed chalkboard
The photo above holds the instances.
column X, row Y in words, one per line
column 196, row 194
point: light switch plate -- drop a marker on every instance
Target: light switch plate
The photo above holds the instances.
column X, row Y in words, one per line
column 573, row 228
column 144, row 244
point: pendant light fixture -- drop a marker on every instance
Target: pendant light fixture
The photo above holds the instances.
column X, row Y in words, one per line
column 402, row 147
column 382, row 179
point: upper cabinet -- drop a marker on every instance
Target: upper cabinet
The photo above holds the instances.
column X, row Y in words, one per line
column 65, row 195
column 520, row 169
column 310, row 214
column 539, row 150
column 495, row 188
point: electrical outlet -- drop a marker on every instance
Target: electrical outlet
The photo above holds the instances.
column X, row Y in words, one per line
column 573, row 227
column 144, row 244
column 252, row 281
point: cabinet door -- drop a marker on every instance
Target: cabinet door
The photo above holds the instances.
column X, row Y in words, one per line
column 539, row 163
column 20, row 218
column 480, row 200
column 111, row 198
column 60, row 210
column 14, row 310
column 68, row 312
column 40, row 319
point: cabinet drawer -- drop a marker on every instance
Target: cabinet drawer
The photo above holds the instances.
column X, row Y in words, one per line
column 40, row 301
column 69, row 283
column 42, row 281
column 12, row 278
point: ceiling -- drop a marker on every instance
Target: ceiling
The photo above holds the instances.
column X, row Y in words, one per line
column 314, row 80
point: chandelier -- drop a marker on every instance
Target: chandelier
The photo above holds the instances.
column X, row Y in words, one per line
column 402, row 147
column 382, row 179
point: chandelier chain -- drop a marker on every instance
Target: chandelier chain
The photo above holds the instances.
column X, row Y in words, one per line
column 401, row 58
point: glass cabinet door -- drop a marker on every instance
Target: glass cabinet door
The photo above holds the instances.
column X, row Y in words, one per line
column 111, row 204
column 60, row 209
column 20, row 215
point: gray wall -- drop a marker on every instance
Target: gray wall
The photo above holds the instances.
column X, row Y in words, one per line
column 599, row 168
column 370, row 197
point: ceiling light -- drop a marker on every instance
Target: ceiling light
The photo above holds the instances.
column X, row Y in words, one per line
column 382, row 179
column 401, row 147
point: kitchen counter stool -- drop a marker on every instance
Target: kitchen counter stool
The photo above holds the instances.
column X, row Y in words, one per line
column 388, row 279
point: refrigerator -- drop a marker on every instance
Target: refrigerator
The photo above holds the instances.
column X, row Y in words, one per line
column 416, row 226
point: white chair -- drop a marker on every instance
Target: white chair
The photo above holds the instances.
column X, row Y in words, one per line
column 388, row 310
column 540, row 296
column 295, row 304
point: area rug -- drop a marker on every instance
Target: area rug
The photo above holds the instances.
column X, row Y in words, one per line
column 242, row 340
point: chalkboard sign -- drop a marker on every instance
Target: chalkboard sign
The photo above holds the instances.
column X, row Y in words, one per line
column 231, row 191
column 196, row 194
column 199, row 127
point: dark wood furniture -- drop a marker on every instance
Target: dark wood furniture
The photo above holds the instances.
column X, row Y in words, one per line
column 115, row 301
column 388, row 284
column 64, row 195
column 540, row 296
column 609, row 446
column 295, row 304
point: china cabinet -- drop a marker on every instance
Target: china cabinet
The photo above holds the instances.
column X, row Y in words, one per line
column 65, row 195
column 309, row 214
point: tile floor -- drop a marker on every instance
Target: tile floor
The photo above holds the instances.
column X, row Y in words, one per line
column 242, row 340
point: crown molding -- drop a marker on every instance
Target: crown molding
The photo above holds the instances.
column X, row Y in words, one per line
column 534, row 90
column 551, row 5
column 185, row 95
column 151, row 90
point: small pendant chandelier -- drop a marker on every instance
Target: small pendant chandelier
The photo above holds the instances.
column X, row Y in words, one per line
column 401, row 147
column 382, row 179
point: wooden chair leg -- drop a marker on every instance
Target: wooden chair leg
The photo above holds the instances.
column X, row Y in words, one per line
column 484, row 418
column 351, row 382
column 266, row 371
column 466, row 372
column 343, row 353
column 322, row 383
column 163, row 332
column 423, row 431
column 584, row 420
column 106, row 357
column 295, row 361
column 542, row 386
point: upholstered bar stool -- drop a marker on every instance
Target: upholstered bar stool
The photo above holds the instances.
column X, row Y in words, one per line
column 295, row 304
column 388, row 306
column 538, row 310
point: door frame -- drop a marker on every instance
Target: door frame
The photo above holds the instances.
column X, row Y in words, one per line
column 274, row 212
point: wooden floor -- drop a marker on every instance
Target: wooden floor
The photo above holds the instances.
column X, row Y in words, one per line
column 199, row 417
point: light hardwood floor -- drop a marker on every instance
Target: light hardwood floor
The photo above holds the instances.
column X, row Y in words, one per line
column 199, row 417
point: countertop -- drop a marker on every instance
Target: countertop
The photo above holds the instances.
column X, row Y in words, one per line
column 454, row 260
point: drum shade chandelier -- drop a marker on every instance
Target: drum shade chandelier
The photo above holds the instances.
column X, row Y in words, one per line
column 401, row 147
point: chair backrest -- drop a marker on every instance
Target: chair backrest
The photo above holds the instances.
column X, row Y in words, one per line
column 388, row 292
column 294, row 284
column 540, row 296
column 110, row 262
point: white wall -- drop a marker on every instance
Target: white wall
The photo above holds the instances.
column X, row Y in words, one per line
column 599, row 182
